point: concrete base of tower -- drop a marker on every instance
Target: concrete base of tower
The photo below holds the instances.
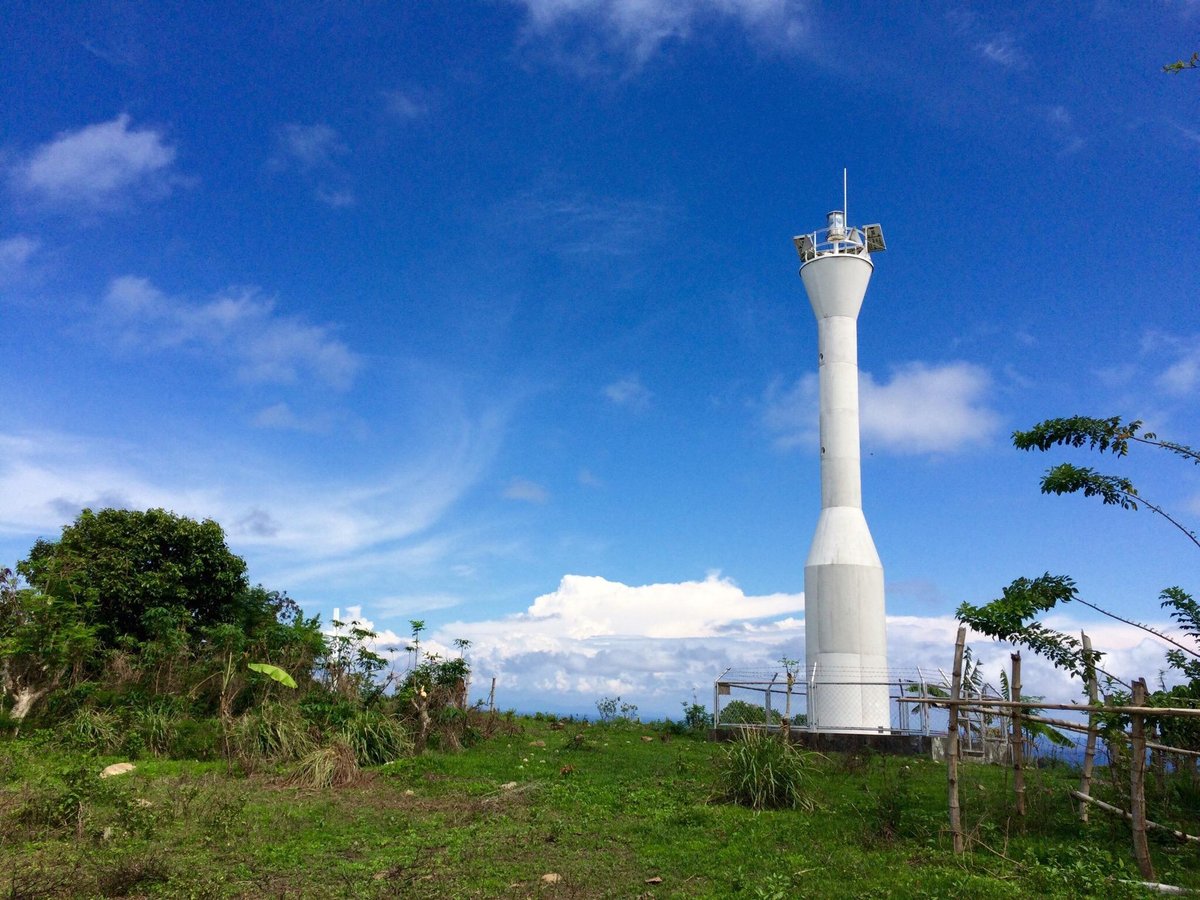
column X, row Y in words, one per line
column 845, row 627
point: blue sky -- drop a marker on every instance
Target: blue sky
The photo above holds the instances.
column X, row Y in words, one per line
column 487, row 313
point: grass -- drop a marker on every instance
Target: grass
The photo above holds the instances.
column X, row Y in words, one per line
column 610, row 814
column 762, row 772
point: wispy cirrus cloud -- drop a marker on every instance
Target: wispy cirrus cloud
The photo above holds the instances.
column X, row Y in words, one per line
column 239, row 325
column 316, row 153
column 921, row 409
column 1181, row 375
column 1002, row 49
column 15, row 255
column 587, row 35
column 282, row 417
column 577, row 223
column 352, row 534
column 629, row 393
column 1060, row 126
column 406, row 104
column 101, row 166
column 994, row 45
column 526, row 491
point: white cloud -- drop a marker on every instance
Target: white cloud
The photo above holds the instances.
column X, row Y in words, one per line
column 928, row 409
column 791, row 412
column 15, row 253
column 638, row 29
column 581, row 225
column 102, row 165
column 1182, row 377
column 316, row 152
column 1061, row 126
column 385, row 642
column 412, row 604
column 658, row 645
column 1189, row 133
column 922, row 409
column 587, row 478
column 1003, row 50
column 526, row 491
column 307, row 530
column 630, row 393
column 238, row 324
column 280, row 416
column 592, row 637
column 311, row 146
column 1171, row 361
column 406, row 104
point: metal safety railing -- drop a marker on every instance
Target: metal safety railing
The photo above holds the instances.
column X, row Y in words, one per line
column 839, row 239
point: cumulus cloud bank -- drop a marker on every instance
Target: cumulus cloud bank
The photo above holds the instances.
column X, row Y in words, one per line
column 659, row 645
column 592, row 637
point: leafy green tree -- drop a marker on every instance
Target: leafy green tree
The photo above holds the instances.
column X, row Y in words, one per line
column 43, row 644
column 128, row 569
column 1106, row 436
column 349, row 665
column 1013, row 616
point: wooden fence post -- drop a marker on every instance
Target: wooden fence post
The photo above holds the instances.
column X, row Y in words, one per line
column 1089, row 751
column 1137, row 784
column 956, row 832
column 1018, row 736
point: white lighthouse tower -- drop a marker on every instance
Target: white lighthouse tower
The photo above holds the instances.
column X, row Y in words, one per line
column 845, row 630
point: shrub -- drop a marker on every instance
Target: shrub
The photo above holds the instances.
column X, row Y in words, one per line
column 94, row 730
column 333, row 765
column 154, row 725
column 272, row 731
column 890, row 812
column 761, row 771
column 739, row 712
column 375, row 738
column 198, row 739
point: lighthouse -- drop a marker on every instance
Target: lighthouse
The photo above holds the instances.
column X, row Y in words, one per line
column 845, row 632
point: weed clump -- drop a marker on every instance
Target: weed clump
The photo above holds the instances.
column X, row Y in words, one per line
column 760, row 771
column 333, row 765
column 375, row 738
column 273, row 731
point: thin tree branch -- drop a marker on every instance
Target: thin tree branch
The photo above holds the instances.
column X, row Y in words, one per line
column 1145, row 628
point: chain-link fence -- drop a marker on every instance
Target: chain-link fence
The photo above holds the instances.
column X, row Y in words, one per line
column 892, row 701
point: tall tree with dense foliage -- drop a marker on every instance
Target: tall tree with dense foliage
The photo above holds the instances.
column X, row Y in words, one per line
column 132, row 572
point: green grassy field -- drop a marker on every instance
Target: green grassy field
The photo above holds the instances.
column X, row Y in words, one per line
column 606, row 810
